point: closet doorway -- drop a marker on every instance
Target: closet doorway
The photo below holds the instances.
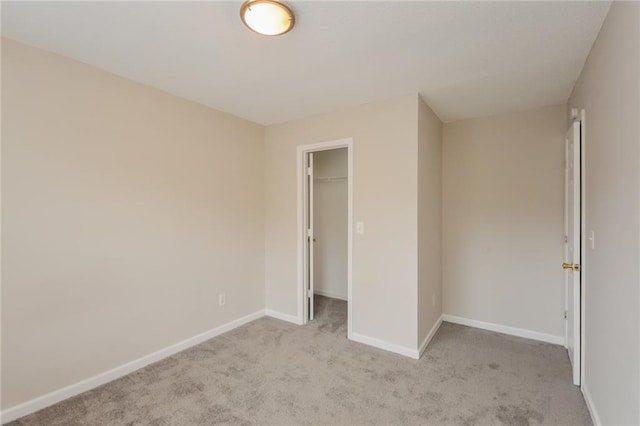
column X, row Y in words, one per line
column 325, row 220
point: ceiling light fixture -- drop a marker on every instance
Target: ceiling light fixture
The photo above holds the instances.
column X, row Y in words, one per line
column 267, row 17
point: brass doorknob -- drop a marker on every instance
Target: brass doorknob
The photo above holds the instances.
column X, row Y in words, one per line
column 572, row 266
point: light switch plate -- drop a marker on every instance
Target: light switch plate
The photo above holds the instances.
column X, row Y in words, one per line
column 360, row 228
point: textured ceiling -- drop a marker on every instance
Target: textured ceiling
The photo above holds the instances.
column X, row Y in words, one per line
column 467, row 59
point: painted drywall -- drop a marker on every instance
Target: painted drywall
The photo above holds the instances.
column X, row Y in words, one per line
column 503, row 219
column 384, row 198
column 609, row 91
column 429, row 219
column 330, row 222
column 126, row 211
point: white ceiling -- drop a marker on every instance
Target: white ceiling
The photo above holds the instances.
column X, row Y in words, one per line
column 467, row 59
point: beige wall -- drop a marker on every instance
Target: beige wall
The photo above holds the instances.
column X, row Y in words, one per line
column 429, row 219
column 330, row 163
column 330, row 225
column 384, row 198
column 609, row 91
column 503, row 219
column 125, row 212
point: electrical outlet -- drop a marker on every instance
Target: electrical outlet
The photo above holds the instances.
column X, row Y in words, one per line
column 222, row 299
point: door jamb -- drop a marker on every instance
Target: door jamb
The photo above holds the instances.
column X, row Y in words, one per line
column 580, row 115
column 301, row 151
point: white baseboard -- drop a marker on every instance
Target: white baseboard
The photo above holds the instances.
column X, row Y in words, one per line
column 520, row 332
column 54, row 397
column 284, row 317
column 430, row 335
column 381, row 344
column 590, row 406
column 329, row 294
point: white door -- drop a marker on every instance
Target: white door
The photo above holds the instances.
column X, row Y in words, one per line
column 310, row 237
column 572, row 251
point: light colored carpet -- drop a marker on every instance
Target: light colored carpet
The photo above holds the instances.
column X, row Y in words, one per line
column 273, row 372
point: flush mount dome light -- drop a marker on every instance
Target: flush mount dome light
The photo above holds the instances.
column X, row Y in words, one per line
column 267, row 17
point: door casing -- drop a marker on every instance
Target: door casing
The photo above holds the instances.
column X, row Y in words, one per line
column 302, row 151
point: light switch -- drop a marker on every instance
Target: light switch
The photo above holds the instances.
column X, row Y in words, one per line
column 592, row 239
column 360, row 228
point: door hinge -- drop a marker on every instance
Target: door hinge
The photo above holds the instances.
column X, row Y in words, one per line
column 565, row 314
column 309, row 233
column 309, row 171
column 566, row 239
column 309, row 294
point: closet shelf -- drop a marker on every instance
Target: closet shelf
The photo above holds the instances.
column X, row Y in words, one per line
column 330, row 179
